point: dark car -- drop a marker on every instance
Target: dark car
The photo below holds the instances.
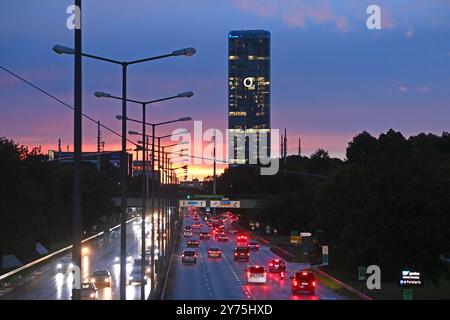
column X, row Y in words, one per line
column 277, row 265
column 204, row 235
column 303, row 281
column 222, row 238
column 253, row 246
column 101, row 278
column 241, row 253
column 192, row 243
column 214, row 252
column 189, row 256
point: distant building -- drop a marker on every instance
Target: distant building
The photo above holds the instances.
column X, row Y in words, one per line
column 248, row 92
column 194, row 184
column 92, row 157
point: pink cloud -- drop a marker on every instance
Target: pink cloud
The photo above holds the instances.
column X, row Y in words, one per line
column 296, row 14
column 424, row 89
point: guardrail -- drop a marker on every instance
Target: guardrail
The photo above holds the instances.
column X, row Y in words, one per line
column 53, row 254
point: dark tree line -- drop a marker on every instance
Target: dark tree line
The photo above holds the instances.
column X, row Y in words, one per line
column 36, row 199
column 387, row 203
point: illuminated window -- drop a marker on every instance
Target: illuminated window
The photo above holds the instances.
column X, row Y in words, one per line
column 232, row 57
column 238, row 113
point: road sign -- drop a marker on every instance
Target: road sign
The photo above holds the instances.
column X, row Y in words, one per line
column 411, row 278
column 305, row 234
column 296, row 239
column 193, row 203
column 408, row 294
column 361, row 273
column 225, row 204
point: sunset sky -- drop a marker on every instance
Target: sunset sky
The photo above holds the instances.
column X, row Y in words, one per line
column 331, row 77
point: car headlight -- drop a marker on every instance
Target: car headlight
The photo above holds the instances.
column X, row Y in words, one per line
column 92, row 295
column 107, row 280
column 148, row 270
column 93, row 280
column 71, row 265
column 59, row 265
column 116, row 259
column 130, row 277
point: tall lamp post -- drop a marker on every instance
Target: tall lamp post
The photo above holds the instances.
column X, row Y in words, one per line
column 144, row 104
column 152, row 207
column 123, row 161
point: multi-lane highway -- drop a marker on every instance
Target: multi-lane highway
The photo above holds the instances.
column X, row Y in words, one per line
column 102, row 253
column 223, row 278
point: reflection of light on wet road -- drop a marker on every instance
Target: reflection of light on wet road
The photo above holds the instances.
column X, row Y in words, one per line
column 86, row 269
column 59, row 279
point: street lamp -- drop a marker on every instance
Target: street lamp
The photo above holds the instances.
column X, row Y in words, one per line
column 152, row 208
column 144, row 104
column 123, row 167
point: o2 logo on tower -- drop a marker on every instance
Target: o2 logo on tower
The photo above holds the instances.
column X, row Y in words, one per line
column 74, row 19
column 249, row 83
column 373, row 22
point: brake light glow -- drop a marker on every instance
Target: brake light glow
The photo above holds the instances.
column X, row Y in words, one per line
column 295, row 283
column 304, row 273
column 314, row 284
column 271, row 264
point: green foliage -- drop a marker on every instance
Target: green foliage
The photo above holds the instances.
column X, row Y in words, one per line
column 36, row 199
column 389, row 204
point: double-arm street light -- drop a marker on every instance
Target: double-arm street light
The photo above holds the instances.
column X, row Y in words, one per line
column 152, row 208
column 123, row 166
column 144, row 105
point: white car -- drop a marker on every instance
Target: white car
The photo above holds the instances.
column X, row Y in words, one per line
column 256, row 274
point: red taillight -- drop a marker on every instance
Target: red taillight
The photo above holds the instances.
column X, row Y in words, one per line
column 271, row 264
column 182, row 255
column 195, row 255
column 265, row 274
column 235, row 253
column 248, row 254
column 295, row 283
column 305, row 273
column 248, row 274
column 314, row 283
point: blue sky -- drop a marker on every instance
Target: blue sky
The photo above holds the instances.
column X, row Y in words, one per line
column 331, row 76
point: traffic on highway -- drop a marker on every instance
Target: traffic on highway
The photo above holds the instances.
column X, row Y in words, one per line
column 53, row 280
column 216, row 260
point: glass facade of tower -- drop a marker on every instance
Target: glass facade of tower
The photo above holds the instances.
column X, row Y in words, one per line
column 248, row 92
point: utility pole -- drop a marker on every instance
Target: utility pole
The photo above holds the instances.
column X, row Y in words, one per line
column 59, row 149
column 285, row 147
column 77, row 137
column 99, row 141
column 299, row 147
column 214, row 169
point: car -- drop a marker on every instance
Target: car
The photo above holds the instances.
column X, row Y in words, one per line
column 63, row 265
column 88, row 291
column 135, row 277
column 196, row 225
column 253, row 246
column 222, row 238
column 188, row 234
column 214, row 252
column 277, row 265
column 241, row 253
column 256, row 274
column 187, row 228
column 101, row 278
column 137, row 262
column 204, row 235
column 192, row 243
column 241, row 238
column 189, row 256
column 303, row 281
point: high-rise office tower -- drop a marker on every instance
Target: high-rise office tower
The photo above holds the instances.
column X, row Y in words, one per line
column 248, row 94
